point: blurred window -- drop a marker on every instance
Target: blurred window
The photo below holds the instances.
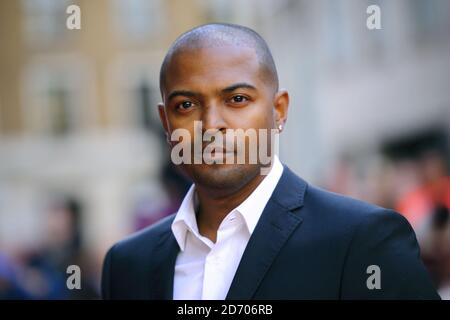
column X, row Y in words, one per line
column 430, row 19
column 45, row 21
column 134, row 92
column 137, row 20
column 144, row 95
column 52, row 99
column 335, row 33
column 59, row 113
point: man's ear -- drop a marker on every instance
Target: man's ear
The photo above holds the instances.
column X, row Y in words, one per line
column 163, row 118
column 281, row 106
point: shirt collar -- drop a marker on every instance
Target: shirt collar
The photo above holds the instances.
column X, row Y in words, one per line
column 250, row 209
column 185, row 220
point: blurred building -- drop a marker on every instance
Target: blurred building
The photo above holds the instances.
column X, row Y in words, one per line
column 78, row 111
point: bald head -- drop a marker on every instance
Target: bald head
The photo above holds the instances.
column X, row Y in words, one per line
column 221, row 35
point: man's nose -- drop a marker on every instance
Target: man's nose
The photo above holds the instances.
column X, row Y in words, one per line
column 212, row 118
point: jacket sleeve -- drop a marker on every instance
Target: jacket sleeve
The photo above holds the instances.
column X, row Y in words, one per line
column 383, row 261
column 106, row 276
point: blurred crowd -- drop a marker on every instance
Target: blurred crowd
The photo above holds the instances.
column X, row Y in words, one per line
column 40, row 272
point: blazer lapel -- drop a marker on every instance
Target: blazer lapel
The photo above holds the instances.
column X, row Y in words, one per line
column 164, row 267
column 276, row 224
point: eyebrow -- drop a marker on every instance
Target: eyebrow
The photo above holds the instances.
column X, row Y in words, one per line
column 187, row 93
column 184, row 93
column 240, row 85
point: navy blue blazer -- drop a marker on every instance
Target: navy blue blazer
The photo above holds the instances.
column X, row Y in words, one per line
column 308, row 244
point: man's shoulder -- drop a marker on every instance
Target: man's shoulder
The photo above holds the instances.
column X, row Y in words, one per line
column 145, row 239
column 344, row 213
column 329, row 211
column 339, row 203
column 323, row 204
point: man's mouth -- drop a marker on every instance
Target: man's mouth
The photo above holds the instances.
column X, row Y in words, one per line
column 217, row 154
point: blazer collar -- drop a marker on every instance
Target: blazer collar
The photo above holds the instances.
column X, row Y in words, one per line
column 290, row 191
column 278, row 220
column 162, row 273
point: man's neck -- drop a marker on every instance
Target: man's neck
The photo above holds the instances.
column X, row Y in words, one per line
column 214, row 206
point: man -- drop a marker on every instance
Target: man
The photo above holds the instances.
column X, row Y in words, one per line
column 240, row 234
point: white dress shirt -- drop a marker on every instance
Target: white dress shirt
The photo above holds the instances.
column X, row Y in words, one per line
column 204, row 270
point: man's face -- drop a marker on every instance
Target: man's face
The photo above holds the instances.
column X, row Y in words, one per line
column 224, row 88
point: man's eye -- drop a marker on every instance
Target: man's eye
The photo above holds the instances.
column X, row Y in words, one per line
column 185, row 105
column 238, row 99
